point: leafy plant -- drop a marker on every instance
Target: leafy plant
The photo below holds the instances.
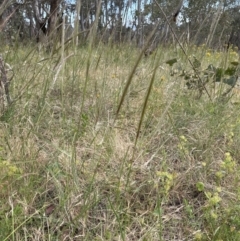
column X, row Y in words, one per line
column 197, row 78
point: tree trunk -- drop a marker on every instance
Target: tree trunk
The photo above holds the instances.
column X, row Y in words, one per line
column 76, row 24
column 139, row 25
column 49, row 24
column 54, row 16
column 40, row 22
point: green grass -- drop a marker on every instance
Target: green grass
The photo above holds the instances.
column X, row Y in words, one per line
column 75, row 164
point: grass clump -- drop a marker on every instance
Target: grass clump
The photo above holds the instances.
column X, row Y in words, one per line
column 77, row 165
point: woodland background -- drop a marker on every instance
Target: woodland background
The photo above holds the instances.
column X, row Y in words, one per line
column 119, row 21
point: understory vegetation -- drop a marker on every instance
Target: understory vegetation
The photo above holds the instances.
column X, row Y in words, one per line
column 101, row 143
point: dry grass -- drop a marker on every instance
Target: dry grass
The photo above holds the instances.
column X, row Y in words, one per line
column 70, row 169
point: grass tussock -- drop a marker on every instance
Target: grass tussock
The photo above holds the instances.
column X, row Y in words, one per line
column 77, row 165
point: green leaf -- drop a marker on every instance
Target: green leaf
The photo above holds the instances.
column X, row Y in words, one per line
column 210, row 70
column 196, row 63
column 230, row 71
column 171, row 62
column 200, row 186
column 219, row 74
column 230, row 81
column 235, row 63
column 187, row 77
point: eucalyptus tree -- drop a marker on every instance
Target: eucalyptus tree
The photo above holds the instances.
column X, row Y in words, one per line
column 162, row 13
column 205, row 21
column 231, row 30
column 211, row 21
column 47, row 16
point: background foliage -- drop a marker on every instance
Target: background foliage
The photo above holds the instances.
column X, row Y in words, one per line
column 215, row 23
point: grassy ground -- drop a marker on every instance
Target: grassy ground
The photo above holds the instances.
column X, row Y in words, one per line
column 84, row 158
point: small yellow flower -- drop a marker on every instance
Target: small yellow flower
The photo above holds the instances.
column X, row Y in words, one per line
column 219, row 174
column 218, row 189
column 215, row 199
column 9, row 168
column 198, row 236
column 167, row 180
column 213, row 215
column 228, row 162
column 232, row 228
column 183, row 138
